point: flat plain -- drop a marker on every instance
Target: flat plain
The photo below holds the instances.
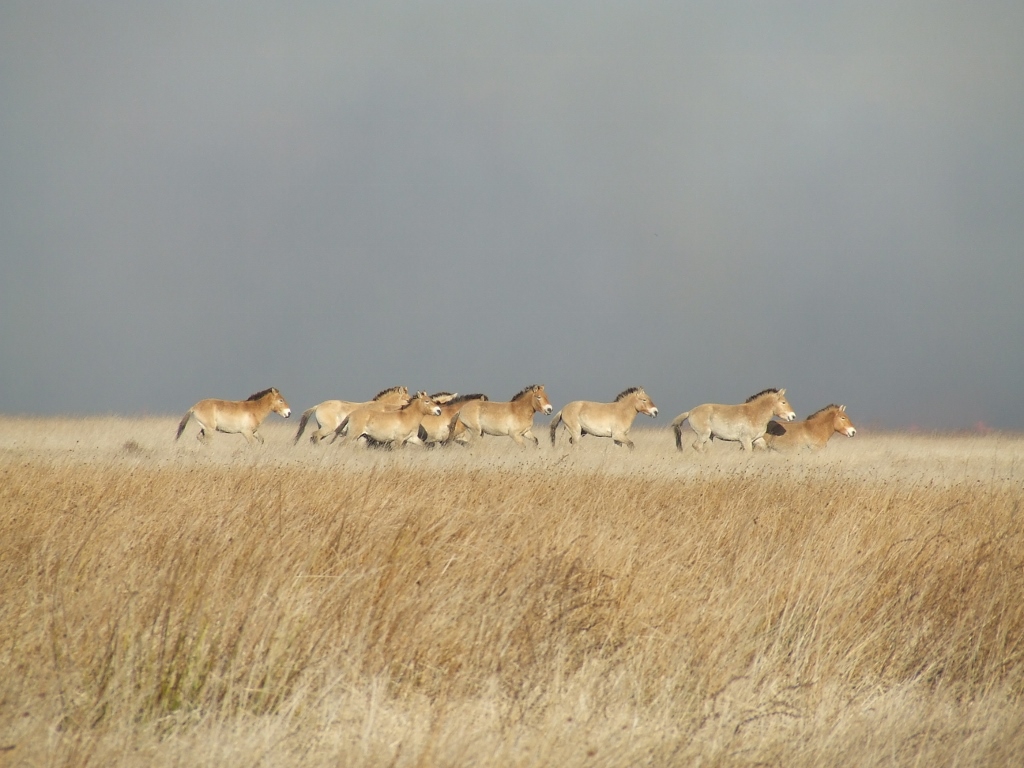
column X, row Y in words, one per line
column 168, row 603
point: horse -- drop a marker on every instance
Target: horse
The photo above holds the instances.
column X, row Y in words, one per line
column 330, row 413
column 813, row 432
column 446, row 427
column 514, row 418
column 583, row 417
column 235, row 416
column 744, row 423
column 396, row 427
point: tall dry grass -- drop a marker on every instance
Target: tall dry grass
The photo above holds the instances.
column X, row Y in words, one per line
column 169, row 604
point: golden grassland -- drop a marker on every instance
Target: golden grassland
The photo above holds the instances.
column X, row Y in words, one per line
column 166, row 603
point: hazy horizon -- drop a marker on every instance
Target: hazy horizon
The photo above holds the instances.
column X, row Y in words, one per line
column 705, row 199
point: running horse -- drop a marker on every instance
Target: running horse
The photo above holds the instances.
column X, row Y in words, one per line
column 583, row 417
column 235, row 416
column 443, row 429
column 514, row 418
column 330, row 413
column 813, row 432
column 744, row 423
column 395, row 427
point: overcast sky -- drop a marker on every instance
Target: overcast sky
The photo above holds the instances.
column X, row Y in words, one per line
column 706, row 199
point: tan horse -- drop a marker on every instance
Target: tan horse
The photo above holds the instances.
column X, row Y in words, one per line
column 235, row 416
column 813, row 432
column 737, row 423
column 582, row 417
column 447, row 427
column 395, row 427
column 514, row 418
column 330, row 413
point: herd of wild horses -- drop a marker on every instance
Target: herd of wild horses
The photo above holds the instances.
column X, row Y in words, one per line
column 394, row 418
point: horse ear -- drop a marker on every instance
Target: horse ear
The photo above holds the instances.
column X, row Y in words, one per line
column 782, row 391
column 842, row 408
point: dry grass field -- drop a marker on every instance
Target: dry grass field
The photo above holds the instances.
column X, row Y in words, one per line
column 169, row 604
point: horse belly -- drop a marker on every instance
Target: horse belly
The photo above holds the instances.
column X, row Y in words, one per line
column 233, row 423
column 492, row 420
column 597, row 427
column 732, row 429
column 217, row 415
column 496, row 427
column 386, row 430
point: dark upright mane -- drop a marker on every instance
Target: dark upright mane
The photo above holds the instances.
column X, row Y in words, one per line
column 466, row 398
column 526, row 391
column 260, row 394
column 387, row 391
column 762, row 392
column 829, row 407
column 628, row 392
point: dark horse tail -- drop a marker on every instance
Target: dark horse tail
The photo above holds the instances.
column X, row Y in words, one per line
column 302, row 422
column 554, row 425
column 184, row 421
column 677, row 426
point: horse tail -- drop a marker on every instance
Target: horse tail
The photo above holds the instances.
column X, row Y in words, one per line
column 677, row 426
column 451, row 429
column 554, row 425
column 184, row 421
column 302, row 422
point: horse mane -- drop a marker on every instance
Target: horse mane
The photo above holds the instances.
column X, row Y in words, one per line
column 752, row 398
column 627, row 392
column 387, row 391
column 467, row 398
column 261, row 394
column 526, row 391
column 829, row 407
column 440, row 394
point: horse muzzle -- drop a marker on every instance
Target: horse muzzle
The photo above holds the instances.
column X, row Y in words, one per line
column 286, row 412
column 653, row 412
column 850, row 432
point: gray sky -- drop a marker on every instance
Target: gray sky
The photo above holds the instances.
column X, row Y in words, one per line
column 706, row 199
